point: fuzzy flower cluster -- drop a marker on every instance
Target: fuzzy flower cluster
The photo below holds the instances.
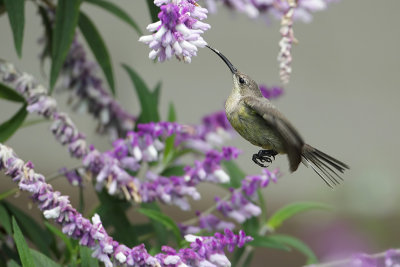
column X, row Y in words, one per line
column 39, row 102
column 389, row 258
column 115, row 169
column 275, row 8
column 178, row 32
column 88, row 94
column 110, row 169
column 203, row 251
column 239, row 207
column 214, row 131
column 285, row 44
column 79, row 75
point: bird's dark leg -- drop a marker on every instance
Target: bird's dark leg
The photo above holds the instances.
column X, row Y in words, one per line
column 264, row 156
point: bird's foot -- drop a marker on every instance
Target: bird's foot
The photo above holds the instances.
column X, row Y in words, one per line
column 264, row 156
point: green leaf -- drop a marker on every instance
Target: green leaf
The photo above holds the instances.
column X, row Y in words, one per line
column 175, row 170
column 12, row 263
column 31, row 229
column 57, row 232
column 262, row 205
column 5, row 220
column 10, row 94
column 117, row 11
column 42, row 260
column 298, row 245
column 98, row 47
column 112, row 212
column 148, row 100
column 16, row 14
column 170, row 141
column 86, row 257
column 235, row 173
column 288, row 211
column 67, row 14
column 8, row 128
column 171, row 112
column 154, row 10
column 22, row 247
column 49, row 34
column 267, row 242
column 8, row 193
column 251, row 226
column 164, row 219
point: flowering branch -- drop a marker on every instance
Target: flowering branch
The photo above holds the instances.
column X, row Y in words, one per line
column 203, row 250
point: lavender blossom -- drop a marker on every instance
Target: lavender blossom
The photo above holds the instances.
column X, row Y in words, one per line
column 39, row 102
column 214, row 131
column 109, row 169
column 207, row 222
column 79, row 76
column 239, row 206
column 285, row 53
column 203, row 250
column 178, row 30
column 275, row 8
column 271, row 92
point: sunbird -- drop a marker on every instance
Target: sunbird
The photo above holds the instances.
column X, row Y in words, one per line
column 258, row 121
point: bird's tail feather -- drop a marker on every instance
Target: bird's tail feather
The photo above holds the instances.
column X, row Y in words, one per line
column 324, row 165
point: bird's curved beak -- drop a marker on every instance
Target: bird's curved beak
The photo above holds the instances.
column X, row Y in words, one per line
column 227, row 62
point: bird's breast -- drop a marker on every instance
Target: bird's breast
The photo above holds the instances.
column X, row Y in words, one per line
column 251, row 126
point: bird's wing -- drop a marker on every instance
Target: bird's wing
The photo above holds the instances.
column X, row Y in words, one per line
column 292, row 141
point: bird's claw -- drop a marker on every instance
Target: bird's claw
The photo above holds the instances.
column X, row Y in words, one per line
column 264, row 156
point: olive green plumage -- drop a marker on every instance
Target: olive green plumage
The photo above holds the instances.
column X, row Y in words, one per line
column 257, row 120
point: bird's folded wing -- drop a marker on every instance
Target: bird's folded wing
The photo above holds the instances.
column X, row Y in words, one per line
column 292, row 141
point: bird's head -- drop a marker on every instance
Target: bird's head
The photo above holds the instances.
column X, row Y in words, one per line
column 241, row 82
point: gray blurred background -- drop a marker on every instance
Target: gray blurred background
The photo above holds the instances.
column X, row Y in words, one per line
column 343, row 98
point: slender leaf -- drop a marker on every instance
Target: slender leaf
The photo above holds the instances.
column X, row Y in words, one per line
column 159, row 229
column 171, row 112
column 251, row 226
column 164, row 219
column 288, row 211
column 12, row 263
column 263, row 206
column 42, row 260
column 22, row 247
column 16, row 14
column 148, row 100
column 8, row 193
column 235, row 173
column 67, row 14
column 112, row 213
column 10, row 94
column 176, row 170
column 154, row 10
column 49, row 34
column 267, row 242
column 86, row 257
column 33, row 122
column 98, row 47
column 8, row 128
column 5, row 220
column 57, row 232
column 298, row 245
column 31, row 229
column 117, row 11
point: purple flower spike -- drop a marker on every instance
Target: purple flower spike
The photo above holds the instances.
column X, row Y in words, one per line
column 203, row 251
column 178, row 30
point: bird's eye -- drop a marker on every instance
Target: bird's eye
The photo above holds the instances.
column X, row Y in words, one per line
column 241, row 80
